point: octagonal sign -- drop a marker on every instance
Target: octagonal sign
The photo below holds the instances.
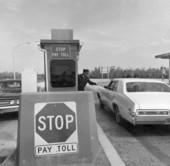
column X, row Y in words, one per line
column 55, row 128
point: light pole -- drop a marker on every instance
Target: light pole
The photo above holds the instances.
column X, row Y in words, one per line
column 13, row 54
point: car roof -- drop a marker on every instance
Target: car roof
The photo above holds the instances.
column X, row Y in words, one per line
column 138, row 80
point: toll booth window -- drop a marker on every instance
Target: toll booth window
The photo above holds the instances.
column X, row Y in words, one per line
column 62, row 73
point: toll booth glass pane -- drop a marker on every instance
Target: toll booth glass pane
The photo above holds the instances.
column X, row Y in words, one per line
column 62, row 73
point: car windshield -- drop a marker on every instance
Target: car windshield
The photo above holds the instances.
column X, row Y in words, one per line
column 10, row 85
column 147, row 87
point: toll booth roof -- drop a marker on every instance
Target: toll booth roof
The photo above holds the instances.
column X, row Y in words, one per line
column 163, row 56
column 59, row 41
column 45, row 42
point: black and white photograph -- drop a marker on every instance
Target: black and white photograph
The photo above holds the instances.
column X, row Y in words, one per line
column 84, row 83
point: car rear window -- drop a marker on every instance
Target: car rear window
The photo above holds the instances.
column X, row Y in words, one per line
column 147, row 87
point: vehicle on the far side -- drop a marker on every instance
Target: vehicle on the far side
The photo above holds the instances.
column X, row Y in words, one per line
column 9, row 95
column 138, row 101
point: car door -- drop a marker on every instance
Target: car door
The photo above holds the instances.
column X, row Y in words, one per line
column 112, row 91
column 104, row 94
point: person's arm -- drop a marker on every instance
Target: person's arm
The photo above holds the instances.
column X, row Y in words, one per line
column 91, row 82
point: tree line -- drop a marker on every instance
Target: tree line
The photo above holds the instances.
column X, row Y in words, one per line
column 118, row 72
column 10, row 75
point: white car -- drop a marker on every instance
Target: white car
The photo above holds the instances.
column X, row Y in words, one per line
column 138, row 101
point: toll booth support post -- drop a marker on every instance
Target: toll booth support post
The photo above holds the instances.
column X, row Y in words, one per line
column 45, row 67
column 165, row 56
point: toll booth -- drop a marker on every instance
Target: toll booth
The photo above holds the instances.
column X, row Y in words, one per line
column 62, row 53
column 58, row 127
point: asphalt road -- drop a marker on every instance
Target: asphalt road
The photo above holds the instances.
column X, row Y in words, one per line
column 137, row 145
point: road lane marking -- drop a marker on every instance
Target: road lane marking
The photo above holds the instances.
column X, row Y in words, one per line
column 109, row 150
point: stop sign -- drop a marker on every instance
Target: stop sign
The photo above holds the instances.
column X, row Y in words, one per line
column 55, row 122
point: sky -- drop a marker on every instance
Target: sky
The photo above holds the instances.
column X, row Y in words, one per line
column 120, row 33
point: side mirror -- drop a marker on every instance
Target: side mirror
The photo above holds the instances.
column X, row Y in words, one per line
column 106, row 87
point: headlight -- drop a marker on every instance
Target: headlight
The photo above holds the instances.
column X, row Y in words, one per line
column 12, row 102
column 17, row 102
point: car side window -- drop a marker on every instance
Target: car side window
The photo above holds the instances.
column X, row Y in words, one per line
column 114, row 86
column 111, row 85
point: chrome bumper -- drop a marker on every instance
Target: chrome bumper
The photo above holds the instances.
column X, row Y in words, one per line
column 9, row 109
column 151, row 117
column 152, row 120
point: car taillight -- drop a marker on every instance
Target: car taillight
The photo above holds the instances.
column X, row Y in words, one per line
column 152, row 112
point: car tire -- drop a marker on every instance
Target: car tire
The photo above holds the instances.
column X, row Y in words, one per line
column 100, row 101
column 118, row 116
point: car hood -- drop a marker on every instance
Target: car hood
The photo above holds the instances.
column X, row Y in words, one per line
column 9, row 95
column 153, row 100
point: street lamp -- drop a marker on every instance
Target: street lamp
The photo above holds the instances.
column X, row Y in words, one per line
column 13, row 51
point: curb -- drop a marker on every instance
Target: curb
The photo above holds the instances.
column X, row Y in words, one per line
column 109, row 150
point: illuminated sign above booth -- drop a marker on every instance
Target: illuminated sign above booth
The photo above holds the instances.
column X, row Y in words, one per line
column 60, row 51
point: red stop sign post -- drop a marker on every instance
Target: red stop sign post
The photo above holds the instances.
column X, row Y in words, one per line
column 55, row 122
